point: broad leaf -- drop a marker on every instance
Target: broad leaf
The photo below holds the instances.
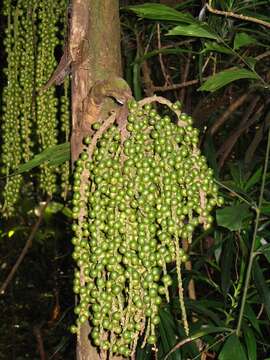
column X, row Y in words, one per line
column 194, row 30
column 232, row 350
column 243, row 39
column 225, row 77
column 232, row 217
column 160, row 12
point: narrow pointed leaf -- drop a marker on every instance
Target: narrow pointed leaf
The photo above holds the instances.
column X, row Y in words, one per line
column 254, row 179
column 251, row 317
column 194, row 30
column 225, row 77
column 54, row 155
column 251, row 344
column 160, row 12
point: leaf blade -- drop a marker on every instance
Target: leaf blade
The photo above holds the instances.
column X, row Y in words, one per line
column 160, row 12
column 243, row 39
column 225, row 77
column 232, row 349
column 232, row 217
column 194, row 30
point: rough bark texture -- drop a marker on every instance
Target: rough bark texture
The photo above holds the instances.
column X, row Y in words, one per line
column 94, row 46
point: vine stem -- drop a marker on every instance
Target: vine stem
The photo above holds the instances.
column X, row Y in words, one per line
column 252, row 252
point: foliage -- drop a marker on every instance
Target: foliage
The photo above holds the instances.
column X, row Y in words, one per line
column 217, row 66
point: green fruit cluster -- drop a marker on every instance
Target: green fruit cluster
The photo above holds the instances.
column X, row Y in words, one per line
column 30, row 121
column 134, row 203
column 46, row 102
column 12, row 131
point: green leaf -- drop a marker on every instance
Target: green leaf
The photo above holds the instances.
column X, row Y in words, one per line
column 194, row 30
column 54, row 155
column 251, row 61
column 160, row 12
column 254, row 179
column 225, row 77
column 261, row 286
column 54, row 207
column 232, row 350
column 251, row 316
column 213, row 46
column 251, row 343
column 232, row 217
column 243, row 39
column 265, row 209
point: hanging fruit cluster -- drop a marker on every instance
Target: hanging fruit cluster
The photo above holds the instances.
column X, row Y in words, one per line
column 30, row 119
column 134, row 203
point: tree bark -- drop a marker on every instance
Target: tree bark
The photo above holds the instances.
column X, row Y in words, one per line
column 94, row 46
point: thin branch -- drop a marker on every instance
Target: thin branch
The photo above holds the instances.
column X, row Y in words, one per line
column 162, row 66
column 146, row 72
column 164, row 88
column 177, row 86
column 256, row 140
column 245, row 123
column 237, row 16
column 253, row 206
column 233, row 107
column 263, row 55
column 40, row 343
column 184, row 78
column 26, row 248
